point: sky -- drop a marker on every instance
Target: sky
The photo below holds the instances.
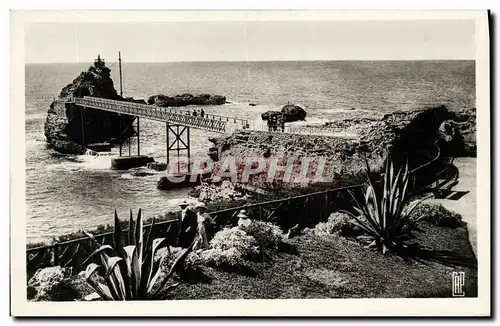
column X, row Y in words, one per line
column 250, row 41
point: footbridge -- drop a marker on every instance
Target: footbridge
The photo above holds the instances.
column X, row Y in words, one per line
column 215, row 123
column 177, row 121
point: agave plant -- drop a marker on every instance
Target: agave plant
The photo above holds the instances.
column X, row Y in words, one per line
column 130, row 272
column 384, row 217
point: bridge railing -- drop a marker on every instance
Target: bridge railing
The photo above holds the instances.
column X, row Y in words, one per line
column 303, row 130
column 211, row 122
column 228, row 119
column 153, row 113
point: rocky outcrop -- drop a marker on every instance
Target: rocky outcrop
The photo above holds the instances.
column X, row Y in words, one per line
column 225, row 191
column 289, row 113
column 64, row 130
column 351, row 125
column 157, row 166
column 411, row 136
column 186, row 99
column 292, row 112
column 465, row 122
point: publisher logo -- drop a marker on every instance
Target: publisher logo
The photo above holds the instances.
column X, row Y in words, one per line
column 458, row 282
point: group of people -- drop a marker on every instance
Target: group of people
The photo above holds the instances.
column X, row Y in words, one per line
column 273, row 123
column 196, row 113
column 197, row 226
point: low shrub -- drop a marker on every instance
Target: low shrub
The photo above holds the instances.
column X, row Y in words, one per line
column 437, row 215
column 230, row 247
column 45, row 281
column 338, row 223
column 191, row 264
column 268, row 235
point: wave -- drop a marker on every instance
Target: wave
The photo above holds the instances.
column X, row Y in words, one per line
column 88, row 161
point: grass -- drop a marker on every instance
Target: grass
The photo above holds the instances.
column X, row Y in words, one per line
column 334, row 267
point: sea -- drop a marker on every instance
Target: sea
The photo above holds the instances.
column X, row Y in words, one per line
column 68, row 193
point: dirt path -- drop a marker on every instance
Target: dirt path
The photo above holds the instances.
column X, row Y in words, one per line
column 466, row 205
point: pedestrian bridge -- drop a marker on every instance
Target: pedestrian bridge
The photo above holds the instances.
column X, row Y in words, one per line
column 178, row 123
column 215, row 123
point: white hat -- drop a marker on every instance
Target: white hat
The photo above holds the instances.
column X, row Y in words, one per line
column 183, row 203
column 242, row 214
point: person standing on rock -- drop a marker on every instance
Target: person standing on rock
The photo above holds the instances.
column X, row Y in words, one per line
column 202, row 113
column 188, row 225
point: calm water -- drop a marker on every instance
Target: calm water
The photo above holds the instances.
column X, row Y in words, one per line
column 67, row 193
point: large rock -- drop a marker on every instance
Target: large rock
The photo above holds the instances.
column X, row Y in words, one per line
column 289, row 113
column 292, row 112
column 63, row 125
column 186, row 99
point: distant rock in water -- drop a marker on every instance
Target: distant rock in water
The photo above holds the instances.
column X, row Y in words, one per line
column 289, row 113
column 292, row 112
column 186, row 99
column 63, row 125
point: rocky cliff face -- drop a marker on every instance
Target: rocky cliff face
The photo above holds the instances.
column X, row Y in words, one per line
column 63, row 126
column 414, row 136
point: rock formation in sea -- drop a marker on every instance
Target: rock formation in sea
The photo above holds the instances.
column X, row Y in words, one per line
column 63, row 125
column 186, row 99
column 289, row 113
column 412, row 136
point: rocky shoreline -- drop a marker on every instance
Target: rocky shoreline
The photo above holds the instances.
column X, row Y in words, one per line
column 409, row 135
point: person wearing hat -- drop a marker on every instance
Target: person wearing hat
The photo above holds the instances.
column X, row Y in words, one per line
column 243, row 221
column 205, row 221
column 188, row 225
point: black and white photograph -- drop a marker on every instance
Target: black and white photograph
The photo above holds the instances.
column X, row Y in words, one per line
column 202, row 158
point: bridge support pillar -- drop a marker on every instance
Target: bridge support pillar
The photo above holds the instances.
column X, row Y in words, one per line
column 178, row 141
column 120, row 133
column 82, row 118
column 138, row 138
